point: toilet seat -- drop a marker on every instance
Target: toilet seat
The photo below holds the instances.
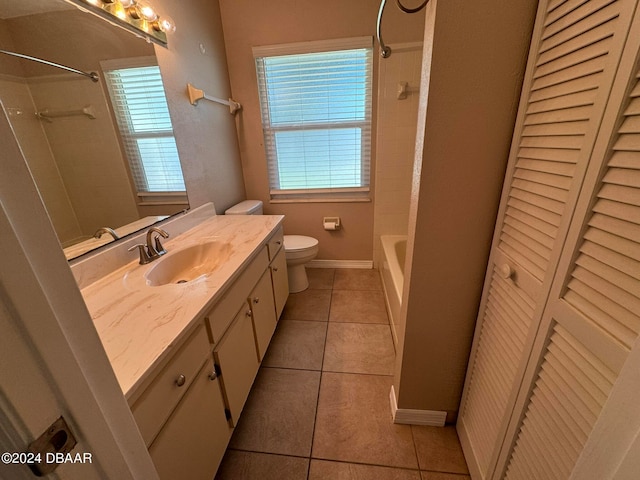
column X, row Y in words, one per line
column 298, row 243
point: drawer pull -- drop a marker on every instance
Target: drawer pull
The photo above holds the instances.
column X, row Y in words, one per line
column 181, row 380
column 279, row 242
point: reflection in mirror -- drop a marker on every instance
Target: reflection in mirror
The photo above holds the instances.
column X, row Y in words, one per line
column 102, row 154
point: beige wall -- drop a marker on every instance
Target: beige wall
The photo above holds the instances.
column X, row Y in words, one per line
column 470, row 90
column 205, row 134
column 249, row 23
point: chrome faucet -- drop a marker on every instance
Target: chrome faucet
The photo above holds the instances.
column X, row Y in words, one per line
column 149, row 252
column 108, row 230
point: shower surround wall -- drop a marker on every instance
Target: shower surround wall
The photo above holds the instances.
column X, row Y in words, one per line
column 395, row 137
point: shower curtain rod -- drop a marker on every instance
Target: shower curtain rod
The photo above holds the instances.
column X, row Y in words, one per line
column 92, row 75
column 385, row 50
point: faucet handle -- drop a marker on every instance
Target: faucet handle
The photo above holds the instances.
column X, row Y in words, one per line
column 159, row 248
column 144, row 255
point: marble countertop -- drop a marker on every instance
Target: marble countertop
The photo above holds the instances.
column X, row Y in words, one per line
column 141, row 325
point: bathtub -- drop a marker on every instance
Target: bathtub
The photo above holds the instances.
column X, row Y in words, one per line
column 394, row 249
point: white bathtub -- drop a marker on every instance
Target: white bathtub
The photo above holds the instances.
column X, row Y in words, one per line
column 394, row 250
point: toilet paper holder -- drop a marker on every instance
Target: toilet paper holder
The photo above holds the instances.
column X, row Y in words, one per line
column 331, row 223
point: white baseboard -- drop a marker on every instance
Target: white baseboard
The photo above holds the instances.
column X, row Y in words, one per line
column 366, row 264
column 432, row 418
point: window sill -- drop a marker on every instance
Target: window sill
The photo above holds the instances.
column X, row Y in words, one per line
column 322, row 200
column 338, row 195
column 162, row 198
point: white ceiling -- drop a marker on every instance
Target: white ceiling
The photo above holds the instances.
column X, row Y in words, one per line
column 19, row 8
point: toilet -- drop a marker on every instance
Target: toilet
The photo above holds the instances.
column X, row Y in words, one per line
column 298, row 249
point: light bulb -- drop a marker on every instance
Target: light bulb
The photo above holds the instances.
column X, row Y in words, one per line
column 166, row 25
column 145, row 12
column 127, row 3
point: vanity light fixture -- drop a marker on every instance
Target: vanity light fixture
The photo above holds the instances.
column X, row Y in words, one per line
column 137, row 16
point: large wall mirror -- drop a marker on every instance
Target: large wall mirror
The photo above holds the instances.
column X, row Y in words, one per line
column 96, row 176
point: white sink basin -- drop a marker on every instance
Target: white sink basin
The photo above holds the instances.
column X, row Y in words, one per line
column 188, row 264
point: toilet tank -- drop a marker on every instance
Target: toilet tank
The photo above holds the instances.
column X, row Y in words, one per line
column 248, row 207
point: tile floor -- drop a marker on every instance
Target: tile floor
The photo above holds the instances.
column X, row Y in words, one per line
column 319, row 407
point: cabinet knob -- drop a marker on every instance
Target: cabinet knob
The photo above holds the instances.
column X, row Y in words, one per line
column 275, row 269
column 180, row 380
column 256, row 300
column 248, row 313
column 506, row 271
column 279, row 242
column 213, row 375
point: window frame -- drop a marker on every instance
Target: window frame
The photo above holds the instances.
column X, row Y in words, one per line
column 359, row 193
column 134, row 160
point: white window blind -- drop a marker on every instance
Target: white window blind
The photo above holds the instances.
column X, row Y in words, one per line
column 142, row 114
column 316, row 116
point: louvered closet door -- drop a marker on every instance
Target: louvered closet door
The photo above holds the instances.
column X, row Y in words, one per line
column 592, row 319
column 575, row 51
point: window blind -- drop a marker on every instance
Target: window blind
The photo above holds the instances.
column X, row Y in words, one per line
column 316, row 116
column 138, row 98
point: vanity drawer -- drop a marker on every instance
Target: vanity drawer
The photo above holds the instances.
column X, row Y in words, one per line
column 219, row 318
column 275, row 243
column 159, row 399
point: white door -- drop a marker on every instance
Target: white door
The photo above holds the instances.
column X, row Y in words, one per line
column 51, row 360
column 592, row 319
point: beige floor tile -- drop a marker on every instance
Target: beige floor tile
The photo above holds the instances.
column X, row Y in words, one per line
column 297, row 344
column 279, row 414
column 325, row 470
column 308, row 305
column 357, row 279
column 358, row 306
column 359, row 348
column 238, row 465
column 353, row 423
column 443, row 476
column 321, row 278
column 439, row 449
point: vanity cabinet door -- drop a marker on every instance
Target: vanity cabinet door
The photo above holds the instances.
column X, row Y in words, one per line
column 264, row 313
column 193, row 441
column 158, row 400
column 280, row 281
column 237, row 361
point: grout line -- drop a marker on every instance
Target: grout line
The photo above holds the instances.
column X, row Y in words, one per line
column 369, row 464
column 324, row 346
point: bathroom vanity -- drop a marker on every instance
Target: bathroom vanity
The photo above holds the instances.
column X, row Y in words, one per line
column 186, row 352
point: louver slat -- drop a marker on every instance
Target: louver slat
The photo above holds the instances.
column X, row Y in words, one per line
column 568, row 395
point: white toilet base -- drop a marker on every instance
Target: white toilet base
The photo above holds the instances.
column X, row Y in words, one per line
column 298, row 280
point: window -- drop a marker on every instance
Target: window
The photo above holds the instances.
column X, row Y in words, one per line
column 140, row 106
column 316, row 115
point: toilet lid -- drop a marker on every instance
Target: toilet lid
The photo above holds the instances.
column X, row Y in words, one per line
column 294, row 243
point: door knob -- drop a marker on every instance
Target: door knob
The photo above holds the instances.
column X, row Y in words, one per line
column 506, row 271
